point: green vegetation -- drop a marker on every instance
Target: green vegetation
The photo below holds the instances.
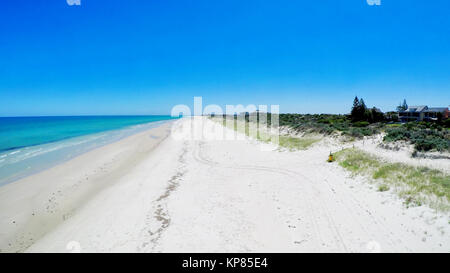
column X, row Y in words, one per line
column 416, row 185
column 362, row 121
column 360, row 112
column 262, row 134
column 425, row 136
column 328, row 124
column 297, row 143
column 383, row 187
column 402, row 106
column 244, row 128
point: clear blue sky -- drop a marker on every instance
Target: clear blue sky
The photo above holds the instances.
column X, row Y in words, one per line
column 143, row 57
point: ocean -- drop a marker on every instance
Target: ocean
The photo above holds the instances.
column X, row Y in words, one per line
column 31, row 144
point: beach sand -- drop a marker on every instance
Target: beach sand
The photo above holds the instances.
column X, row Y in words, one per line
column 164, row 191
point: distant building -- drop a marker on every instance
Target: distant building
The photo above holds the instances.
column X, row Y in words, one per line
column 423, row 113
column 432, row 113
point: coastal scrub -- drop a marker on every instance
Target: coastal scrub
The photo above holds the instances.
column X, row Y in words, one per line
column 416, row 185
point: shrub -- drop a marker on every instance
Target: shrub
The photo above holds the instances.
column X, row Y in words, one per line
column 361, row 124
column 425, row 137
column 383, row 187
column 396, row 134
column 446, row 123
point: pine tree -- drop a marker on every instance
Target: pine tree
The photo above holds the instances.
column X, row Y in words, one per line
column 362, row 110
column 362, row 105
column 355, row 103
column 402, row 107
column 359, row 111
column 354, row 112
column 405, row 106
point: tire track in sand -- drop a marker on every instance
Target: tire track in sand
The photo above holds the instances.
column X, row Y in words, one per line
column 319, row 202
column 309, row 198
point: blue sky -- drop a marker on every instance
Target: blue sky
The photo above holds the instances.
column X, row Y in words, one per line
column 144, row 57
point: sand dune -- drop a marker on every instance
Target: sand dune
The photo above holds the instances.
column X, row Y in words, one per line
column 184, row 194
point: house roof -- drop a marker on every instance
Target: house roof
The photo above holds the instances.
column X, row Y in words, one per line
column 419, row 108
column 437, row 109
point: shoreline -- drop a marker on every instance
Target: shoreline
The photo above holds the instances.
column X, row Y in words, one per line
column 86, row 143
column 54, row 194
column 184, row 194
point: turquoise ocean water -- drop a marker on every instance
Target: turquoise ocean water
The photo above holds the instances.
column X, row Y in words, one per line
column 31, row 144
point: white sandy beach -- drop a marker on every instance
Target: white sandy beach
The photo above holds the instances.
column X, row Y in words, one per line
column 152, row 192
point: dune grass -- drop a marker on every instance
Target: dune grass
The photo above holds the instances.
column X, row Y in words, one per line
column 416, row 185
column 297, row 143
column 263, row 134
column 383, row 187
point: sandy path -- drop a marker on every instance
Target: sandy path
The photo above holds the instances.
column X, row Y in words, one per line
column 200, row 195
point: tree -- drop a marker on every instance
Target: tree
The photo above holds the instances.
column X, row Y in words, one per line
column 362, row 104
column 402, row 107
column 355, row 108
column 355, row 103
column 359, row 109
column 439, row 117
column 375, row 115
